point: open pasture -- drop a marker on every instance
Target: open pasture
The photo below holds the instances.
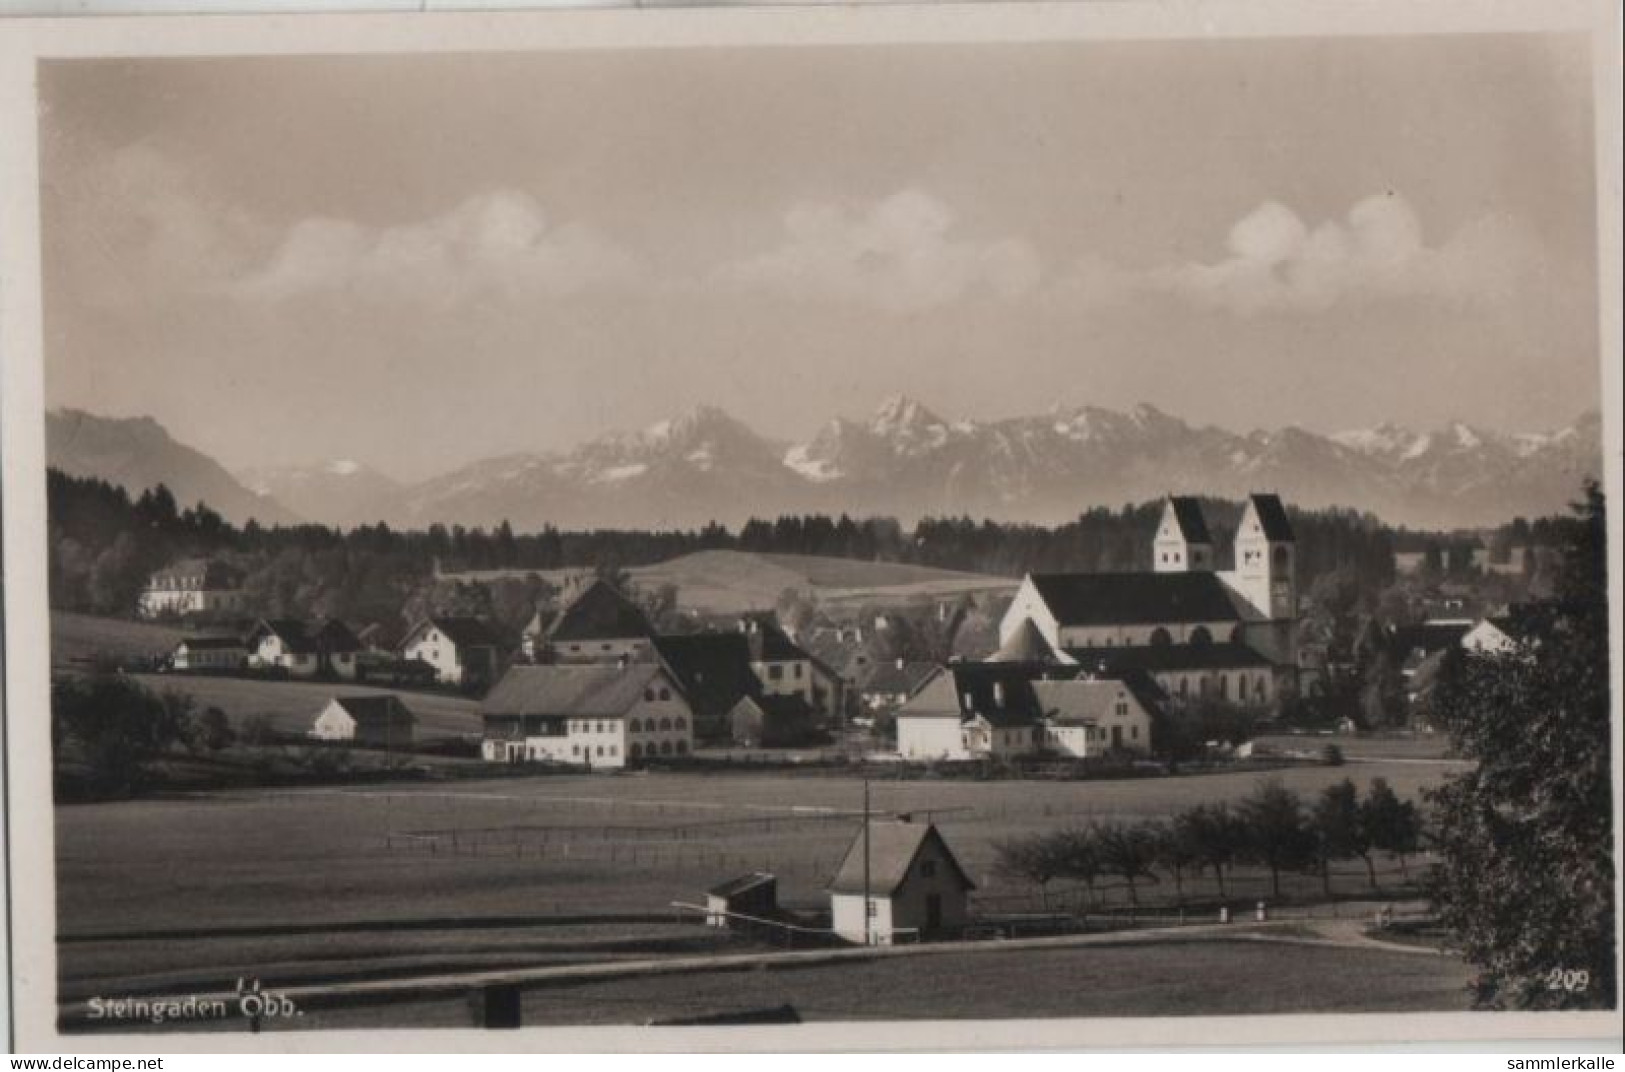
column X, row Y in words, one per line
column 214, row 884
column 293, row 705
column 76, row 638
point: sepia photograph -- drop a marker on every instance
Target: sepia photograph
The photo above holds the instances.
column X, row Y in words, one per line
column 669, row 520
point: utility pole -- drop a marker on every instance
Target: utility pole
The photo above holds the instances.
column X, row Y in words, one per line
column 868, row 905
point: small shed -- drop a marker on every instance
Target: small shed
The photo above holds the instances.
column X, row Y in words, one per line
column 375, row 721
column 755, row 894
column 899, row 881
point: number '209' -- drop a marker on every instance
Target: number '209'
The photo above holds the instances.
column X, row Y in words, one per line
column 1572, row 979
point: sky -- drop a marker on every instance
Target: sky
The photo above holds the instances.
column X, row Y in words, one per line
column 419, row 261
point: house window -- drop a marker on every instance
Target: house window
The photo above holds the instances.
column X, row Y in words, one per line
column 612, row 750
column 799, row 668
column 603, row 647
column 665, row 723
column 1122, row 709
column 1134, row 733
column 600, row 750
column 665, row 694
column 649, row 694
column 775, row 673
column 679, row 723
column 575, row 750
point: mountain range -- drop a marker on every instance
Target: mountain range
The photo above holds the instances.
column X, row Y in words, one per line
column 903, row 461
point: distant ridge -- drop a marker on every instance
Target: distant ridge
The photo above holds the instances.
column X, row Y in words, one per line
column 904, row 462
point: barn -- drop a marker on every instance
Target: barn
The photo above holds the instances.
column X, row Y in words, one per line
column 374, row 721
column 916, row 888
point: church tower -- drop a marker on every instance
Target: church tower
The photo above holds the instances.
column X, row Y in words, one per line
column 1182, row 543
column 1266, row 559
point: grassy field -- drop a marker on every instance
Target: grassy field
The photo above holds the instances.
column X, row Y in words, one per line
column 1373, row 746
column 292, row 705
column 730, row 582
column 309, row 884
column 77, row 637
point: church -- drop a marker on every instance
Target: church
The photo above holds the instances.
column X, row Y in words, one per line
column 1197, row 631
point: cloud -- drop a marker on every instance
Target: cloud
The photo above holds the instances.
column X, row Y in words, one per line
column 899, row 255
column 1278, row 262
column 499, row 242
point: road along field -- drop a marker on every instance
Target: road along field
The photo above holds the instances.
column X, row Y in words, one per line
column 316, row 885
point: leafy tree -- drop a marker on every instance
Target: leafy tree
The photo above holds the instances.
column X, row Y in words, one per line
column 214, row 730
column 117, row 727
column 1036, row 859
column 1179, row 847
column 1394, row 826
column 1340, row 831
column 1525, row 878
column 1278, row 835
column 1128, row 851
column 1220, row 835
column 1081, row 857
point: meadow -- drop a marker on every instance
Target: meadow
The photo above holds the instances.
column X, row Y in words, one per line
column 313, row 885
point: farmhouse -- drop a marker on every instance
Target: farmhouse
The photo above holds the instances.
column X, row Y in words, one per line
column 192, row 586
column 1504, row 633
column 977, row 710
column 1197, row 631
column 593, row 715
column 714, row 672
column 374, row 721
column 785, row 668
column 316, row 649
column 898, row 881
column 461, row 649
column 208, row 653
column 891, row 684
column 600, row 625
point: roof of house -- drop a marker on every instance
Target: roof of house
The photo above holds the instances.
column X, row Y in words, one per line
column 768, row 641
column 309, row 638
column 213, row 572
column 376, row 709
column 462, row 630
column 1080, row 701
column 1158, row 658
column 209, row 643
column 891, row 679
column 1001, row 693
column 789, row 706
column 576, row 691
column 1428, row 637
column 1188, row 516
column 891, row 851
column 712, row 669
column 735, row 886
column 600, row 613
column 1272, row 517
column 1134, row 598
column 1026, row 645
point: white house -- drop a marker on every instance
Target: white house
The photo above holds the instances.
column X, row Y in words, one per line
column 592, row 715
column 376, row 721
column 461, row 649
column 600, row 625
column 785, row 668
column 899, row 881
column 319, row 649
column 208, row 653
column 193, row 586
column 984, row 710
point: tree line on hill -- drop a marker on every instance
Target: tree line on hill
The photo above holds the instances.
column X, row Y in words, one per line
column 104, row 544
column 1272, row 828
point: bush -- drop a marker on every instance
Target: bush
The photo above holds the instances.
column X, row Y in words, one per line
column 1331, row 756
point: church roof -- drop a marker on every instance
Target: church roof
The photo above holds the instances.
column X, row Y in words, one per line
column 1026, row 645
column 1272, row 516
column 1135, row 598
column 1188, row 516
column 1158, row 658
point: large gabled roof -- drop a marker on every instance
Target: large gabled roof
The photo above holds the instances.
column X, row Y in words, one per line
column 1083, row 599
column 328, row 636
column 573, row 691
column 375, row 710
column 1188, row 516
column 892, row 849
column 600, row 613
column 1080, row 701
column 891, row 679
column 712, row 669
column 462, row 630
column 1272, row 517
column 1025, row 645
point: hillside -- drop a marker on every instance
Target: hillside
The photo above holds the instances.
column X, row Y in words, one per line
column 729, row 582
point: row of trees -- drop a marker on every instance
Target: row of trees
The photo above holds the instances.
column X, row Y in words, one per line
column 1272, row 828
column 104, row 544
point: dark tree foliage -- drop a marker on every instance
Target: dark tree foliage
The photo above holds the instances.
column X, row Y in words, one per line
column 103, row 544
column 1525, row 879
column 1279, row 835
column 116, row 729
